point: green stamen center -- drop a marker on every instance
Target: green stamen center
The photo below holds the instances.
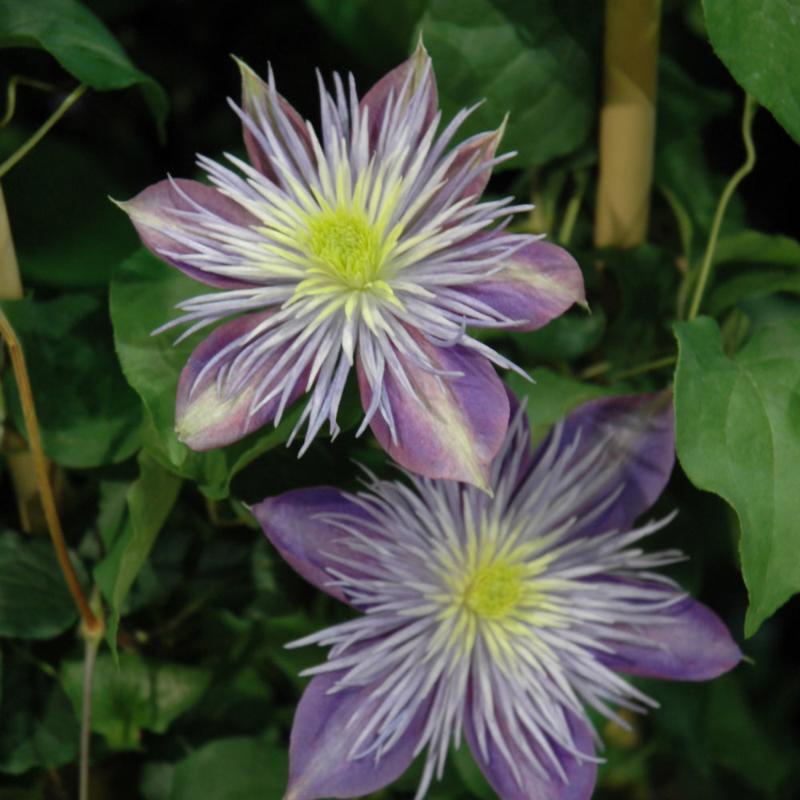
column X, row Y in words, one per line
column 345, row 242
column 494, row 591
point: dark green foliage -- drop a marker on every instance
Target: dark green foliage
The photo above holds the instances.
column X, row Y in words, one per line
column 194, row 691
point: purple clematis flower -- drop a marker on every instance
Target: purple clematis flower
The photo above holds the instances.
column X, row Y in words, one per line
column 499, row 618
column 366, row 245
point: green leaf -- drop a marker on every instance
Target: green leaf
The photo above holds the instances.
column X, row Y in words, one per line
column 754, row 247
column 231, row 769
column 750, row 264
column 682, row 171
column 538, row 64
column 380, row 39
column 567, row 337
column 646, row 279
column 39, row 727
column 143, row 295
column 80, row 42
column 138, row 695
column 757, row 42
column 738, row 435
column 150, row 499
column 156, row 780
column 87, row 414
column 63, row 188
column 738, row 740
column 34, row 600
column 551, row 396
column 470, row 773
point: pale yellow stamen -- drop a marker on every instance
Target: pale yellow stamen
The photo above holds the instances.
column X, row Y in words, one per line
column 344, row 242
column 495, row 590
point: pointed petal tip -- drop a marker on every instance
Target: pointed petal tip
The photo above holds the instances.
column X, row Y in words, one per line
column 538, row 283
column 420, row 50
column 296, row 524
column 695, row 646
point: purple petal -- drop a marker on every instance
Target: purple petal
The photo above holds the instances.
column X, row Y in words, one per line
column 538, row 283
column 637, row 459
column 581, row 775
column 291, row 521
column 694, row 646
column 203, row 418
column 319, row 749
column 451, row 427
column 472, row 165
column 416, row 73
column 152, row 212
column 262, row 106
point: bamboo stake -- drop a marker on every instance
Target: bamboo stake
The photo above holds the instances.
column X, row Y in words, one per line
column 10, row 283
column 627, row 122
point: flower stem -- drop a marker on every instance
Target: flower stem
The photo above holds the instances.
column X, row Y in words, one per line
column 627, row 122
column 91, row 622
column 750, row 108
column 91, row 646
column 21, row 152
column 11, row 94
column 573, row 208
column 641, row 369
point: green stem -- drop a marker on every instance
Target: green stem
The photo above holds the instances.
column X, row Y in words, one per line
column 11, row 94
column 573, row 208
column 90, row 657
column 750, row 107
column 65, row 106
column 642, row 368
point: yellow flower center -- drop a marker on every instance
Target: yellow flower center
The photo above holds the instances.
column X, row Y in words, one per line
column 495, row 590
column 345, row 242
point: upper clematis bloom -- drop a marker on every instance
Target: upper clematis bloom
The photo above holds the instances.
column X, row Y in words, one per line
column 500, row 617
column 366, row 244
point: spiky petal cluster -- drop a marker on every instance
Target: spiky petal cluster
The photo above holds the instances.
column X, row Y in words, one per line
column 499, row 618
column 365, row 245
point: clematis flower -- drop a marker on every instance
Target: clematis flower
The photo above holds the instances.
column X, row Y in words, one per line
column 365, row 245
column 499, row 618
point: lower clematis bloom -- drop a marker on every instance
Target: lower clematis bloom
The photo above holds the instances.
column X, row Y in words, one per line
column 498, row 618
column 365, row 246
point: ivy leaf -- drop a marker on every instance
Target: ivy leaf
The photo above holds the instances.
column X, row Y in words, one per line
column 64, row 187
column 39, row 727
column 230, row 769
column 135, row 695
column 150, row 499
column 739, row 740
column 380, row 39
column 87, row 414
column 80, row 42
column 536, row 65
column 34, row 600
column 144, row 292
column 757, row 42
column 751, row 264
column 682, row 171
column 567, row 337
column 738, row 435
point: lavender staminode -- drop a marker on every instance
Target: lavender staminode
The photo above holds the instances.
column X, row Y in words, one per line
column 496, row 618
column 365, row 246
